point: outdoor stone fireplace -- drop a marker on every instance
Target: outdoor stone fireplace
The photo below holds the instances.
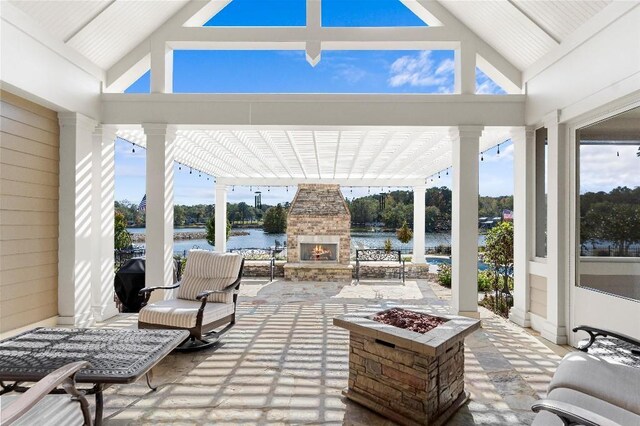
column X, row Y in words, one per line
column 318, row 235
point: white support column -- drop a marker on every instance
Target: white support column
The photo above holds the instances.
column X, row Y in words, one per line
column 557, row 230
column 418, row 223
column 464, row 221
column 221, row 218
column 102, row 304
column 159, row 210
column 523, row 139
column 75, row 238
column 465, row 68
column 161, row 67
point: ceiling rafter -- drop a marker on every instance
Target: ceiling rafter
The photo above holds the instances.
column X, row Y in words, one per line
column 295, row 151
column 222, row 144
column 243, row 138
column 315, row 147
column 197, row 152
column 406, row 145
column 266, row 136
column 421, row 158
column 198, row 141
column 374, row 158
column 357, row 155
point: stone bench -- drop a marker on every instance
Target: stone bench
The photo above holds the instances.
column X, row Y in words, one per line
column 379, row 258
column 592, row 390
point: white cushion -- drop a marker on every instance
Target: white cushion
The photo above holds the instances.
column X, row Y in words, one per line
column 587, row 402
column 182, row 313
column 615, row 383
column 52, row 410
column 207, row 270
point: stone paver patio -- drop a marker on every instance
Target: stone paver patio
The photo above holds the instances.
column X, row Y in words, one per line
column 285, row 363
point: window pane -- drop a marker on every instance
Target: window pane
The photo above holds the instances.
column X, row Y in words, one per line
column 609, row 205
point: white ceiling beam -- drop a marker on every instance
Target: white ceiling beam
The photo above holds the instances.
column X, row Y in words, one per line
column 136, row 62
column 313, row 110
column 382, row 145
column 297, row 154
column 401, row 150
column 357, row 155
column 242, row 137
column 183, row 37
column 296, row 181
column 208, row 11
column 452, row 23
column 422, row 12
column 315, row 148
column 421, row 159
column 313, row 47
column 266, row 137
column 89, row 21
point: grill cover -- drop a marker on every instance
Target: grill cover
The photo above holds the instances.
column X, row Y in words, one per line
column 130, row 279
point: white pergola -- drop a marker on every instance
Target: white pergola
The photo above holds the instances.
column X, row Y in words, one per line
column 353, row 140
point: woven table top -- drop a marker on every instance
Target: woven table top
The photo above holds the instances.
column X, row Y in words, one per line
column 116, row 356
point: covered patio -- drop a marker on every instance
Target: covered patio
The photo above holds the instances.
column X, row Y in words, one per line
column 284, row 363
column 564, row 68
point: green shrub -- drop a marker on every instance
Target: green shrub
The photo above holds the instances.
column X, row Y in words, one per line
column 387, row 245
column 486, row 280
column 444, row 275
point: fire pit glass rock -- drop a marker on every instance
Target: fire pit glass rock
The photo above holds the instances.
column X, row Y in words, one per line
column 409, row 377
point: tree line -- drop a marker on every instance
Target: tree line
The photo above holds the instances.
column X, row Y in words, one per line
column 612, row 216
column 388, row 210
column 391, row 210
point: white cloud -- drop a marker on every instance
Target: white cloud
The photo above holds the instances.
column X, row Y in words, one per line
column 350, row 73
column 421, row 70
column 486, row 86
column 601, row 169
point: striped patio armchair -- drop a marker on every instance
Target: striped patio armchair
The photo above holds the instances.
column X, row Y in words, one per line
column 206, row 299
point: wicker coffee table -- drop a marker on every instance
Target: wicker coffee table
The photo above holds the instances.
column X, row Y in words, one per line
column 116, row 356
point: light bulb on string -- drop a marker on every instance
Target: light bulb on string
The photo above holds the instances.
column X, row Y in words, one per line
column 233, row 188
column 438, row 175
column 190, row 170
column 482, row 156
column 287, row 188
column 369, row 190
column 447, row 172
column 179, row 166
column 268, row 189
column 498, row 149
column 618, row 153
column 133, row 148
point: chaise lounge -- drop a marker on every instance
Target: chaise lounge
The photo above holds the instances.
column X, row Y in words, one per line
column 590, row 390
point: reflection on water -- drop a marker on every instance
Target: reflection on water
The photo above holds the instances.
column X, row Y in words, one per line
column 257, row 238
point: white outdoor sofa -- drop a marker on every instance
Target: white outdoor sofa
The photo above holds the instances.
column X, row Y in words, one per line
column 590, row 390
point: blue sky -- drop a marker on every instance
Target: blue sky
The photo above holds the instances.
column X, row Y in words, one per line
column 289, row 72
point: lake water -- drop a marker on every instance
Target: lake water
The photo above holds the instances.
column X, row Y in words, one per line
column 257, row 238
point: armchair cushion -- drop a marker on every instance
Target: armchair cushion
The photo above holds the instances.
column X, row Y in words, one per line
column 614, row 383
column 207, row 270
column 182, row 313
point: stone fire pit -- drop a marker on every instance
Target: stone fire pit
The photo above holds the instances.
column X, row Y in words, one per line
column 408, row 377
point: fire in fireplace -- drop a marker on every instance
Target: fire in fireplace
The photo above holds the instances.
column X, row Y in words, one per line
column 318, row 252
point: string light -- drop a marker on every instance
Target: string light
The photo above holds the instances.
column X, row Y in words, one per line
column 233, row 188
column 268, row 189
column 190, row 170
column 438, row 175
column 482, row 156
column 498, row 149
column 618, row 153
column 369, row 190
column 179, row 166
column 133, row 148
column 250, row 188
column 447, row 172
column 287, row 188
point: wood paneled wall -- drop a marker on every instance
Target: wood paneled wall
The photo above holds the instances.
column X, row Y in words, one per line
column 29, row 168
